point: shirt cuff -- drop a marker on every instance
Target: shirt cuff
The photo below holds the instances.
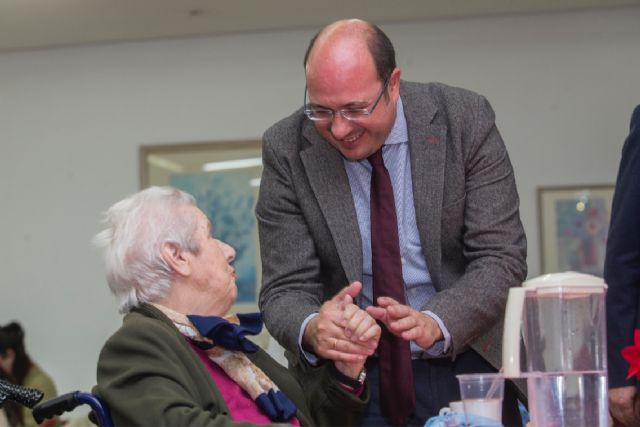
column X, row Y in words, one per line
column 311, row 358
column 441, row 347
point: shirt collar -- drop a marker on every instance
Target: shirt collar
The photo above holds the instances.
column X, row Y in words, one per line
column 399, row 133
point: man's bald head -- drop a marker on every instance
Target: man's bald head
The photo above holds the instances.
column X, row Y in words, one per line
column 351, row 37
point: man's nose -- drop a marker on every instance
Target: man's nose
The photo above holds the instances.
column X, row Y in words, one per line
column 340, row 127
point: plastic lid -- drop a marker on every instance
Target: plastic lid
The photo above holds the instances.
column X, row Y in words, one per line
column 565, row 279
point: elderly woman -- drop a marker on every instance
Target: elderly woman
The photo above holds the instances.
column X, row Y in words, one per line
column 177, row 360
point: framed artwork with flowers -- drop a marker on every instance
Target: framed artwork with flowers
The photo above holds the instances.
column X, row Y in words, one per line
column 574, row 224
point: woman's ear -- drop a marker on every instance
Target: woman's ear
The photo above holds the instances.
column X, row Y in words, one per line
column 174, row 255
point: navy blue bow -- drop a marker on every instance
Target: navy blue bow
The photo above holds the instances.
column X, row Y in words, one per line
column 226, row 334
column 277, row 406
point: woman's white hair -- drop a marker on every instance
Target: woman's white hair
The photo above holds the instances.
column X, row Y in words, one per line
column 136, row 229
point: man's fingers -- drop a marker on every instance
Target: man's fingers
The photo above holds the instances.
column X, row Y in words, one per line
column 391, row 308
column 623, row 412
column 411, row 334
column 621, row 404
column 402, row 324
column 377, row 313
column 386, row 302
column 353, row 289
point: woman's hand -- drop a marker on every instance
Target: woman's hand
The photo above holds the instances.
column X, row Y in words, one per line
column 359, row 329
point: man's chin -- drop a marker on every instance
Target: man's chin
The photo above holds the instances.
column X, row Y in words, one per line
column 353, row 154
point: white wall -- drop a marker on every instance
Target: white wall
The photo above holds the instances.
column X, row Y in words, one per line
column 563, row 87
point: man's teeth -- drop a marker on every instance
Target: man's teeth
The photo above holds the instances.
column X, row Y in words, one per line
column 353, row 138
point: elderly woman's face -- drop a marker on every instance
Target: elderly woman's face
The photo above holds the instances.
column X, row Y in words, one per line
column 211, row 269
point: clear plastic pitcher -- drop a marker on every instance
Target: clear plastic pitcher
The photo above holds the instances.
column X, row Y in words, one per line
column 562, row 319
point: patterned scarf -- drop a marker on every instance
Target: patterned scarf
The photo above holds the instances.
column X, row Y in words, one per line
column 223, row 340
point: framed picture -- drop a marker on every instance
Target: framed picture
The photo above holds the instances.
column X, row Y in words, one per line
column 574, row 224
column 224, row 178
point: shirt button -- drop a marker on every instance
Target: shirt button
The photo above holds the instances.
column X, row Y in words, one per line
column 402, row 261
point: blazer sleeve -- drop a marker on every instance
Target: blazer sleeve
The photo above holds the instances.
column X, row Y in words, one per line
column 485, row 250
column 622, row 262
column 291, row 278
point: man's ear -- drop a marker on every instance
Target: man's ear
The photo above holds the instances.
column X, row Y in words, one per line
column 173, row 255
column 394, row 80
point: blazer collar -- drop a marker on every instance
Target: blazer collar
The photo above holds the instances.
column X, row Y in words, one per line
column 328, row 179
column 427, row 146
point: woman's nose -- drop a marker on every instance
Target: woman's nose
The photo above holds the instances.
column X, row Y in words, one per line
column 228, row 251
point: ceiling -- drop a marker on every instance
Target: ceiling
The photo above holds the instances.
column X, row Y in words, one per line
column 35, row 24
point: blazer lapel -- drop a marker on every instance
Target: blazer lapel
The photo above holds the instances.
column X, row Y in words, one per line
column 326, row 173
column 427, row 148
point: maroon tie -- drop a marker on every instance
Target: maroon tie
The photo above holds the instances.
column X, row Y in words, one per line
column 397, row 395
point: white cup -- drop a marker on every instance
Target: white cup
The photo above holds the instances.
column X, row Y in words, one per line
column 482, row 395
column 455, row 406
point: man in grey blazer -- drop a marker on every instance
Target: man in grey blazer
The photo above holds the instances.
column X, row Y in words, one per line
column 461, row 239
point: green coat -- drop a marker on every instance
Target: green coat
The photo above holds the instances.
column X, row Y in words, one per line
column 149, row 375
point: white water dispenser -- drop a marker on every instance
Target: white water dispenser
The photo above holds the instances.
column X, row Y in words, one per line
column 562, row 319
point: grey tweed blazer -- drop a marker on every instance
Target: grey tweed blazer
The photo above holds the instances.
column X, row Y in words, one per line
column 466, row 209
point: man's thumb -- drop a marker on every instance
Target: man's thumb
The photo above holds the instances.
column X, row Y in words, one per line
column 352, row 290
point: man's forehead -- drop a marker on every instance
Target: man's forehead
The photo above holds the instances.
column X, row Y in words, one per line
column 341, row 55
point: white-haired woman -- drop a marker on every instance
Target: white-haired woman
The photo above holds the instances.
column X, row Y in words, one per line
column 177, row 360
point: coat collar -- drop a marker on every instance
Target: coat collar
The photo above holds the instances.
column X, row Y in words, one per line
column 427, row 147
column 328, row 178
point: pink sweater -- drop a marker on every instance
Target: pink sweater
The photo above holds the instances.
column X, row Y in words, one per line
column 241, row 406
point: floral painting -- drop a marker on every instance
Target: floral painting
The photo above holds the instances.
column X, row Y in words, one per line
column 574, row 226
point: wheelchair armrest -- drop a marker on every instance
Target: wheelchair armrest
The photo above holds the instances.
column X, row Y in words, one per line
column 68, row 402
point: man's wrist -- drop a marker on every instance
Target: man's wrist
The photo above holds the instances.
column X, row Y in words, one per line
column 306, row 330
column 309, row 333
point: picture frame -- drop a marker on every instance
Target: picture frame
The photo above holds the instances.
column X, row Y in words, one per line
column 224, row 178
column 573, row 226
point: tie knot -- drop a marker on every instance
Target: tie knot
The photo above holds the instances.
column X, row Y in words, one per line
column 376, row 158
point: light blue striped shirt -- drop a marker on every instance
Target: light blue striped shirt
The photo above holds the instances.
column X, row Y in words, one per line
column 415, row 272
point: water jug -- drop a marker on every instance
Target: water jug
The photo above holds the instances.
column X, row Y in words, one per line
column 562, row 319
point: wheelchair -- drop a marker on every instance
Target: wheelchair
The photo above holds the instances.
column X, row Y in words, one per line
column 31, row 397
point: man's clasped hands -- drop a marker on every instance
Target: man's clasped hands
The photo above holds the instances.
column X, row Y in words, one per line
column 345, row 333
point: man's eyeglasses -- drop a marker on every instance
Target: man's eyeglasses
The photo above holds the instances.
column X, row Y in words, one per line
column 326, row 114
